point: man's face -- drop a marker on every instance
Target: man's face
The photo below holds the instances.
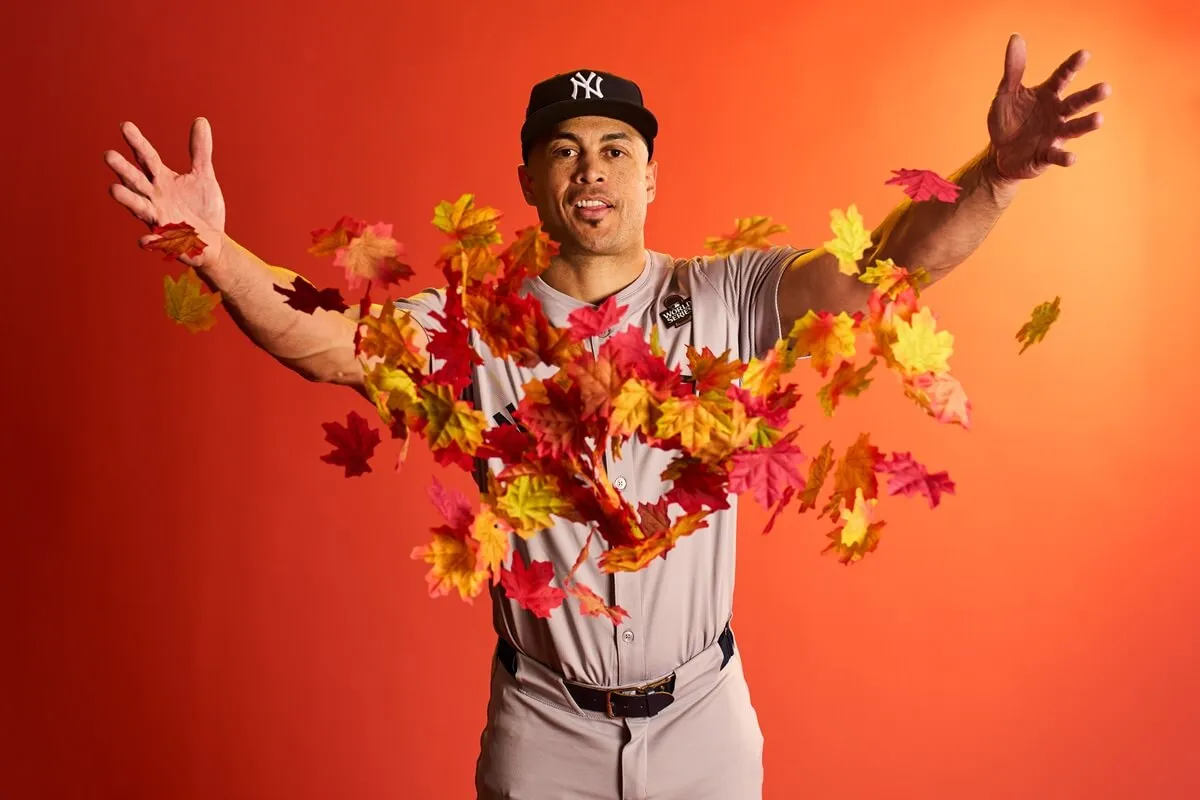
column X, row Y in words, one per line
column 591, row 159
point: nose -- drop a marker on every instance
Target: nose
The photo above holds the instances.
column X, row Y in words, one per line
column 590, row 169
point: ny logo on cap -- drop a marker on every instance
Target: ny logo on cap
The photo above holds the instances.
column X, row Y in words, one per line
column 579, row 82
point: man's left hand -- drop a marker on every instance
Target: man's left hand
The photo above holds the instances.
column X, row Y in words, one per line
column 1028, row 125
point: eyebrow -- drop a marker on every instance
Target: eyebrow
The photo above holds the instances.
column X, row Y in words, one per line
column 608, row 137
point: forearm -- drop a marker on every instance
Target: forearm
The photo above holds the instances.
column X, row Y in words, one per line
column 318, row 346
column 937, row 235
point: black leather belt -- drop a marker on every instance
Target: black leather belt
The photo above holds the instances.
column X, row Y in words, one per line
column 631, row 701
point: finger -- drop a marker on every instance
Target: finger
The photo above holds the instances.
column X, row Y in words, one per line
column 1074, row 103
column 130, row 175
column 138, row 206
column 1080, row 125
column 1066, row 71
column 144, row 151
column 1060, row 157
column 1014, row 64
column 201, row 145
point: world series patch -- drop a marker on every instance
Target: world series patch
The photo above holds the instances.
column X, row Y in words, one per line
column 676, row 310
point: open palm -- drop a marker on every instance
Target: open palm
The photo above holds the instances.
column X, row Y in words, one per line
column 157, row 195
column 1029, row 125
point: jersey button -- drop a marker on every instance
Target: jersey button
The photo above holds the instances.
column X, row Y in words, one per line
column 627, row 637
column 619, row 484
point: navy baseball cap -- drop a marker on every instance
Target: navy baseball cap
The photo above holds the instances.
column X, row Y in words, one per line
column 585, row 93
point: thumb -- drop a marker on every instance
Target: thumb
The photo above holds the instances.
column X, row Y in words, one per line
column 1014, row 64
column 201, row 145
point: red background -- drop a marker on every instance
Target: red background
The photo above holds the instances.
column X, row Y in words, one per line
column 195, row 606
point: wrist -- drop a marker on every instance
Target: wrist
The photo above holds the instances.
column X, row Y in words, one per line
column 992, row 173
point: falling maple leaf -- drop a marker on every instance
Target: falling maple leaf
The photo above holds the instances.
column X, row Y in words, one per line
column 372, row 256
column 892, row 279
column 942, row 397
column 303, row 296
column 452, row 561
column 908, row 477
column 176, row 239
column 592, row 605
column 827, row 338
column 592, row 321
column 818, row 469
column 767, row 472
column 919, row 347
column 712, row 372
column 354, row 444
column 846, row 381
column 784, row 500
column 186, row 302
column 1042, row 318
column 471, row 226
column 923, row 184
column 857, row 535
column 850, row 239
column 855, row 472
column 530, row 586
column 327, row 241
column 751, row 232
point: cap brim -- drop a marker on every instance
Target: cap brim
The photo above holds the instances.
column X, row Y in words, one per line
column 544, row 119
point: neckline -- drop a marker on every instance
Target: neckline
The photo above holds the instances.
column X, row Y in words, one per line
column 547, row 292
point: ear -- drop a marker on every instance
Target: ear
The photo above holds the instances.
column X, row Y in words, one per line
column 651, row 181
column 526, row 181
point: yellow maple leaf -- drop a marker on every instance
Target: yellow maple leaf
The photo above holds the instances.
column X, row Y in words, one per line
column 452, row 563
column 186, row 302
column 693, row 419
column 529, row 501
column 630, row 409
column 370, row 256
column 474, row 263
column 471, row 226
column 449, row 420
column 920, row 347
column 492, row 534
column 761, row 377
column 857, row 535
column 391, row 390
column 826, row 338
column 750, row 232
column 850, row 239
column 391, row 337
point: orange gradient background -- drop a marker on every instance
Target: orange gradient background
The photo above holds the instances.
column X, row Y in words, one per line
column 196, row 606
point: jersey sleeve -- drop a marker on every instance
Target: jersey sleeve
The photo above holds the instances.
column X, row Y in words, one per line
column 748, row 281
column 421, row 307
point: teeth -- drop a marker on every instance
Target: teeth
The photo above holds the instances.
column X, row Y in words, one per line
column 591, row 204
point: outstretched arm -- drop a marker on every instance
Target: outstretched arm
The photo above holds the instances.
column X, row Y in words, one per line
column 1026, row 125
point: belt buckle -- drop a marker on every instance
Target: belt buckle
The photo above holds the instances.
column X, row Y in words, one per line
column 635, row 691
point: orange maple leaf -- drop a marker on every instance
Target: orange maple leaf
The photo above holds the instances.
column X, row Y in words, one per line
column 591, row 604
column 818, row 469
column 327, row 241
column 452, row 561
column 713, row 372
column 751, row 232
column 372, row 256
column 469, row 225
column 826, row 337
column 855, row 472
column 857, row 535
column 942, row 397
column 846, row 381
column 186, row 302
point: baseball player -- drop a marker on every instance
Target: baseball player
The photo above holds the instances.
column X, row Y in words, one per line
column 657, row 706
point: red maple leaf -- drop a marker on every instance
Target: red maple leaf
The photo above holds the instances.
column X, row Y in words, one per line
column 696, row 485
column 593, row 321
column 354, row 444
column 530, row 586
column 303, row 296
column 923, row 184
column 453, row 506
column 908, row 477
column 767, row 471
column 452, row 345
column 788, row 494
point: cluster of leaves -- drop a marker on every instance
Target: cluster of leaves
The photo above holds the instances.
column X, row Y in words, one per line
column 726, row 421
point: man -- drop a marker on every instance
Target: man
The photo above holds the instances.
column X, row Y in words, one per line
column 657, row 705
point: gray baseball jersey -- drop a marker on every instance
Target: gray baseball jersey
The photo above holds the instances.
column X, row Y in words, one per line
column 679, row 605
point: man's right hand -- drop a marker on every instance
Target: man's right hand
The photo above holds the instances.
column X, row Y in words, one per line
column 157, row 195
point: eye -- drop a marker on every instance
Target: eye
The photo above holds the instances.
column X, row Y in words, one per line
column 560, row 150
column 616, row 150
